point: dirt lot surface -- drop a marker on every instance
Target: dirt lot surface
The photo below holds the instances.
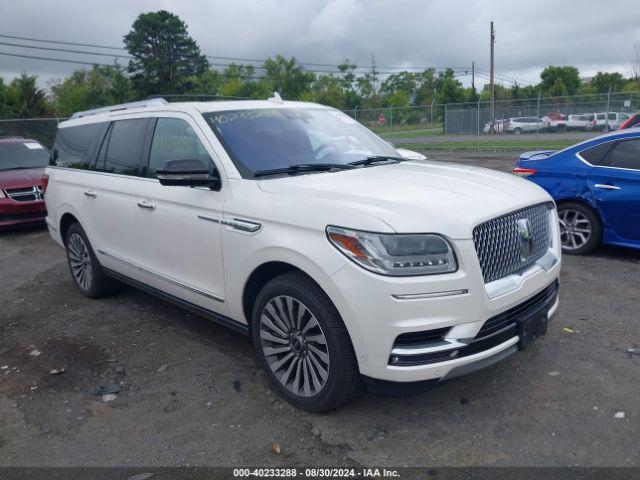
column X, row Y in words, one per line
column 191, row 392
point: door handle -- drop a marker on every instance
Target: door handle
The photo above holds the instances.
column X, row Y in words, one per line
column 147, row 205
column 90, row 194
column 606, row 186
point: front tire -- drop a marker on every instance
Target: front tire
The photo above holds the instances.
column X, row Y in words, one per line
column 86, row 271
column 517, row 131
column 580, row 228
column 303, row 344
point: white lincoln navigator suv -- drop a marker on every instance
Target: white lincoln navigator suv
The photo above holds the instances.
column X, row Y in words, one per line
column 293, row 223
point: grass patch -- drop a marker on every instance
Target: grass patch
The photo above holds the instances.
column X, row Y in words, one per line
column 426, row 132
column 490, row 146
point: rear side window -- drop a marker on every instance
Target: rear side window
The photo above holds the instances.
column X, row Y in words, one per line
column 74, row 145
column 122, row 147
column 625, row 155
column 597, row 153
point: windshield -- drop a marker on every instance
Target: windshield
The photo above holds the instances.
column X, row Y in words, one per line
column 266, row 139
column 22, row 155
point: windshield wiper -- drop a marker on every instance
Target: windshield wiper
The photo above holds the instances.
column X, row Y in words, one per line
column 377, row 159
column 303, row 167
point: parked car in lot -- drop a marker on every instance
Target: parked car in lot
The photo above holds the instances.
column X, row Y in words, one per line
column 608, row 121
column 497, row 128
column 22, row 163
column 632, row 121
column 596, row 185
column 520, row 125
column 572, row 122
column 341, row 259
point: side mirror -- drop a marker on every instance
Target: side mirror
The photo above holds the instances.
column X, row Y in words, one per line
column 189, row 172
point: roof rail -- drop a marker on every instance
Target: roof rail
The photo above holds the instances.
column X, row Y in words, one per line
column 197, row 95
column 153, row 102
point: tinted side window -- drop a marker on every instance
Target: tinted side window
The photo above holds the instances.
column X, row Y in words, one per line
column 597, row 153
column 74, row 145
column 174, row 139
column 625, row 155
column 121, row 149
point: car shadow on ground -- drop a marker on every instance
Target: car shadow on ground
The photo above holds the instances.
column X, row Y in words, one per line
column 13, row 232
column 619, row 253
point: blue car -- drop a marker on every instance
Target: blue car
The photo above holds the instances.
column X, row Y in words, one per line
column 596, row 185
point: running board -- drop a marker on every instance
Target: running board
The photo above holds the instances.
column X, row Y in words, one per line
column 198, row 310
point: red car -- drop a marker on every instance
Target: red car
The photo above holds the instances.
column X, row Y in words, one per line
column 22, row 163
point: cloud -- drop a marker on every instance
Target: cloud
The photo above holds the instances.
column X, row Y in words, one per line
column 590, row 34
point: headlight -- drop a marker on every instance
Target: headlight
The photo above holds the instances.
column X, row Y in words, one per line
column 399, row 255
column 2, row 194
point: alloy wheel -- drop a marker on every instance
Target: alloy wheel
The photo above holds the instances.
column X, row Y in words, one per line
column 575, row 229
column 80, row 261
column 294, row 346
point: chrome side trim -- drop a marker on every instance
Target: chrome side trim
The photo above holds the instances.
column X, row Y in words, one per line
column 164, row 277
column 238, row 224
column 242, row 225
column 209, row 219
column 419, row 296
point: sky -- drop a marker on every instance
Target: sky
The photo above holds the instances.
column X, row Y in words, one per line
column 592, row 35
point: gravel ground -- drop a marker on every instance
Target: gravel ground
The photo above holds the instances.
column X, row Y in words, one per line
column 192, row 392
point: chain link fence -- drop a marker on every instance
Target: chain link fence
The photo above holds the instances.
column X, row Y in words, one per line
column 464, row 126
column 41, row 129
column 468, row 118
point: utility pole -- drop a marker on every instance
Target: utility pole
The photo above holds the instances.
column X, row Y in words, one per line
column 491, row 82
column 473, row 76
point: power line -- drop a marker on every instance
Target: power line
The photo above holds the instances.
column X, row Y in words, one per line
column 55, row 59
column 253, row 60
column 110, row 55
column 113, row 55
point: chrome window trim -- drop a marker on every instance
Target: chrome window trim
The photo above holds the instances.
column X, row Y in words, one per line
column 164, row 277
column 581, row 158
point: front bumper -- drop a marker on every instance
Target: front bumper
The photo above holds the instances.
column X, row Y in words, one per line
column 21, row 213
column 379, row 310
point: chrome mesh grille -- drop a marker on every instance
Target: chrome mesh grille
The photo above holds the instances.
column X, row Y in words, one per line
column 27, row 194
column 498, row 242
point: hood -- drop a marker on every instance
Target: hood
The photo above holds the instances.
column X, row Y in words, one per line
column 414, row 197
column 20, row 178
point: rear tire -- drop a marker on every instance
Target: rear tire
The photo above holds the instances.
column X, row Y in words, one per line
column 580, row 228
column 303, row 344
column 86, row 271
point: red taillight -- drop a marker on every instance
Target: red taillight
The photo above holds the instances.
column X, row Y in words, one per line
column 523, row 172
column 45, row 182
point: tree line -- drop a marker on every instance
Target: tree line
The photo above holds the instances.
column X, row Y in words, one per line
column 165, row 60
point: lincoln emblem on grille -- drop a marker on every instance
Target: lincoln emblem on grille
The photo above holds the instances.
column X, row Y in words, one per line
column 524, row 232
